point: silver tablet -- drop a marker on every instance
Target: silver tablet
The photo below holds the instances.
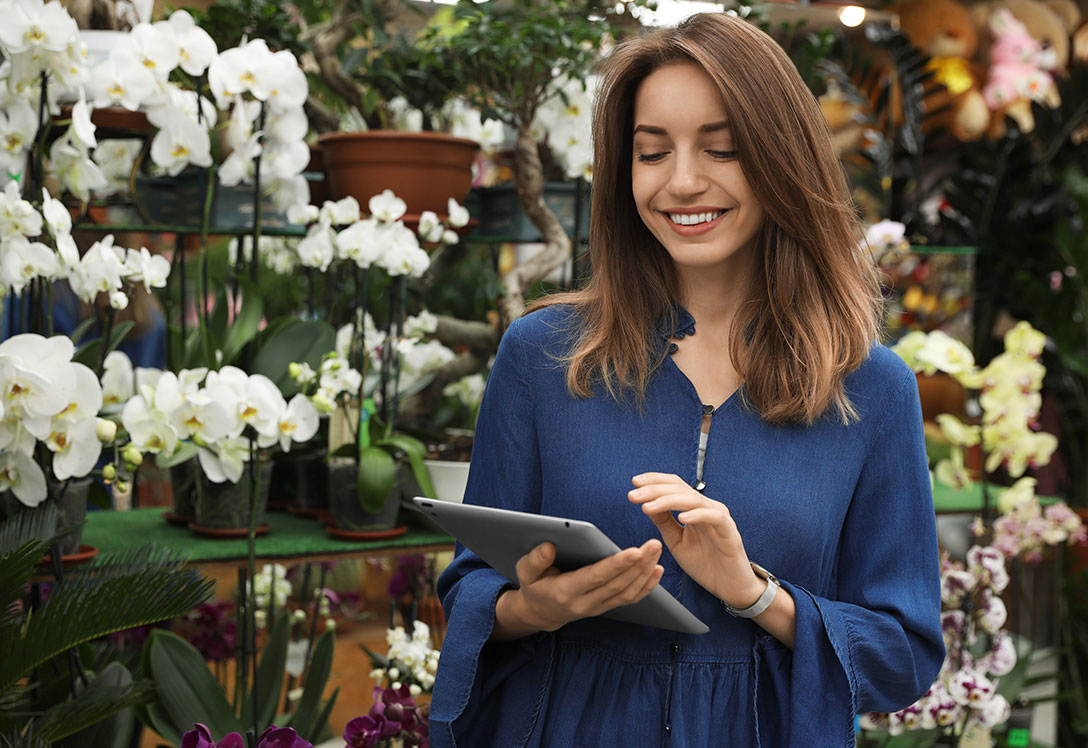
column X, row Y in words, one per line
column 501, row 537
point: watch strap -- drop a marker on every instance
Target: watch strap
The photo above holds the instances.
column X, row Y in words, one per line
column 764, row 601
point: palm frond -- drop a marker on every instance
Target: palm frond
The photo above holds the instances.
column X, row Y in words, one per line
column 123, row 590
column 16, row 569
column 29, row 524
column 93, row 704
column 23, row 738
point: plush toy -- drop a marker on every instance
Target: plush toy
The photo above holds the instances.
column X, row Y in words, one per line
column 943, row 30
column 1024, row 55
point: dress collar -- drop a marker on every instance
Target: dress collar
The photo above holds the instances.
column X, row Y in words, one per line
column 675, row 322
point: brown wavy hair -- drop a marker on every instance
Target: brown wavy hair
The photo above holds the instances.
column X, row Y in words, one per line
column 815, row 306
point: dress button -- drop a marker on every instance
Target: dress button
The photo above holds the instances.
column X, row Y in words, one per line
column 708, row 410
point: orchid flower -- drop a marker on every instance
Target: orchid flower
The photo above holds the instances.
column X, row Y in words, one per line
column 196, row 49
column 121, row 79
column 18, row 126
column 34, row 26
column 179, row 143
column 299, row 422
column 143, row 267
column 118, row 378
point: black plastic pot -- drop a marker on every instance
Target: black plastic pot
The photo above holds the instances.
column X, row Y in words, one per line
column 344, row 507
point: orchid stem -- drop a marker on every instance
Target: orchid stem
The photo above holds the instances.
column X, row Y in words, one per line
column 251, row 603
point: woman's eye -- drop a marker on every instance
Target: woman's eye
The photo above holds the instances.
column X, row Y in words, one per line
column 723, row 154
column 651, row 157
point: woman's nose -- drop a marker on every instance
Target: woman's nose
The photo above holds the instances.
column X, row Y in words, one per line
column 688, row 177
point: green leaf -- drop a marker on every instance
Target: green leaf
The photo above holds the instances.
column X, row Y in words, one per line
column 119, row 591
column 305, row 341
column 323, row 718
column 105, row 701
column 188, row 692
column 270, row 673
column 317, row 676
column 377, row 474
column 90, row 353
column 185, row 452
column 99, row 496
column 246, row 323
column 82, row 329
column 415, row 451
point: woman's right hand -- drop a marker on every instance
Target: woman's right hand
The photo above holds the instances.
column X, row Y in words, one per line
column 547, row 598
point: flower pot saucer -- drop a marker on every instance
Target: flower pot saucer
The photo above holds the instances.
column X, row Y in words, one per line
column 176, row 519
column 302, row 511
column 82, row 556
column 227, row 532
column 366, row 534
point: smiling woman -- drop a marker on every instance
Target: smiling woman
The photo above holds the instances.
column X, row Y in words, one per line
column 714, row 400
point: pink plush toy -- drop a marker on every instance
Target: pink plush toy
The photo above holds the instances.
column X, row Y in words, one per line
column 1019, row 67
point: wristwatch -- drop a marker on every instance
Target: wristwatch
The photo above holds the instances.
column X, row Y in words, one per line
column 764, row 600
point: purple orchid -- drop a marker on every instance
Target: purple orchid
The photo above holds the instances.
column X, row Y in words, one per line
column 282, row 737
column 272, row 737
column 393, row 714
column 201, row 737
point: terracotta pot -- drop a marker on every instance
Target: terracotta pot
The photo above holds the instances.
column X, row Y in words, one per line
column 940, row 393
column 425, row 169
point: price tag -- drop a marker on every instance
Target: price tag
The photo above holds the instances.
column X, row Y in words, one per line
column 296, row 657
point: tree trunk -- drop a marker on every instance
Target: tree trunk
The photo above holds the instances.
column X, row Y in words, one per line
column 529, row 180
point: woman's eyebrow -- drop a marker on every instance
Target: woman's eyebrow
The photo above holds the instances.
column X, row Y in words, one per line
column 655, row 130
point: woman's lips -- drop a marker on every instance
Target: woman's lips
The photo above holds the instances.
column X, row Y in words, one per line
column 694, row 230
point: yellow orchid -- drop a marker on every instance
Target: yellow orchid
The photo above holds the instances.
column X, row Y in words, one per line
column 958, row 432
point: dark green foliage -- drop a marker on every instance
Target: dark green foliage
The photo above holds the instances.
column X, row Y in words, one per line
column 118, row 592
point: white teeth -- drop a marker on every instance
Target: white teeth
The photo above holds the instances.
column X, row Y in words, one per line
column 692, row 219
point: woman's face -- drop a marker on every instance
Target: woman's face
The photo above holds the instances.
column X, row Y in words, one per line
column 687, row 183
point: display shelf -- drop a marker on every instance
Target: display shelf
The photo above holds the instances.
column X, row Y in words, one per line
column 953, row 500
column 291, row 538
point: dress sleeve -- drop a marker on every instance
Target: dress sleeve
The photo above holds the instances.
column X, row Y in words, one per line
column 505, row 471
column 875, row 643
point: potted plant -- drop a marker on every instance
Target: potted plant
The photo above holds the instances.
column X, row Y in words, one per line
column 423, row 168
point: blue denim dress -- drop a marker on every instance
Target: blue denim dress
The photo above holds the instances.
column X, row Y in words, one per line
column 841, row 514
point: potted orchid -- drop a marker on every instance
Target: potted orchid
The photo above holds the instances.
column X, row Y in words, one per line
column 190, row 92
column 346, row 382
column 227, row 420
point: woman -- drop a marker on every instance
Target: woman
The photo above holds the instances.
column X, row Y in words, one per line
column 713, row 398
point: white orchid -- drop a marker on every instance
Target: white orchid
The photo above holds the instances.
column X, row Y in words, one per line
column 23, row 477
column 72, row 164
column 226, row 460
column 18, row 216
column 18, row 126
column 458, row 214
column 248, row 68
column 340, row 213
column 21, row 261
column 34, row 26
column 179, row 143
column 316, row 249
column 101, row 270
column 360, row 242
column 202, row 419
column 116, row 157
column 75, row 448
column 299, row 422
column 156, row 50
column 196, row 49
column 121, row 79
column 430, row 228
column 387, row 207
column 118, row 378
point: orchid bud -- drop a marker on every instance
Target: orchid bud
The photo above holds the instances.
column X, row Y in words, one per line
column 132, row 456
column 105, row 430
column 394, row 673
column 118, row 300
column 294, row 370
column 120, row 486
column 298, row 616
column 109, row 472
column 260, row 617
column 322, row 403
column 330, row 624
column 415, row 690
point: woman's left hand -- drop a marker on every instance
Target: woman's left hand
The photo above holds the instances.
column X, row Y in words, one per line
column 707, row 544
